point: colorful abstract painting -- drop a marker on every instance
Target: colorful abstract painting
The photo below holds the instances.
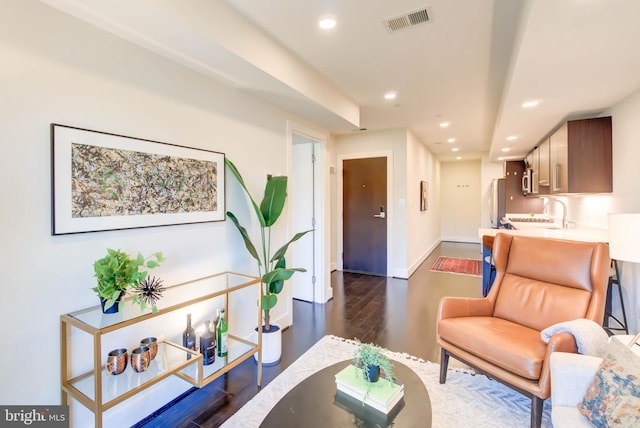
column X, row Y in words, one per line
column 105, row 181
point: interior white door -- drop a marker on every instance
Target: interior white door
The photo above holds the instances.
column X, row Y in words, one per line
column 302, row 202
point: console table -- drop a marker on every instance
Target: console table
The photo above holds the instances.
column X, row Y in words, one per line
column 98, row 391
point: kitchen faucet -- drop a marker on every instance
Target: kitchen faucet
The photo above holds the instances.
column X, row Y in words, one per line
column 548, row 199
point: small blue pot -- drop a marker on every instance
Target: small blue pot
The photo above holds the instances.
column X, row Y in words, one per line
column 373, row 373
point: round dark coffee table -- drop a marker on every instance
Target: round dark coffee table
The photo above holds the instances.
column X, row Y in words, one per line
column 314, row 402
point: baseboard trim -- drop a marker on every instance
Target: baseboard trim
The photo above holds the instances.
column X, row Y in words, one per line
column 416, row 264
column 463, row 240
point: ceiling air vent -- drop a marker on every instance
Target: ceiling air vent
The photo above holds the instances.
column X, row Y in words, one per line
column 407, row 20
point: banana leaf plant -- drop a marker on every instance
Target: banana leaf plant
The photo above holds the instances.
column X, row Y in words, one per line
column 272, row 267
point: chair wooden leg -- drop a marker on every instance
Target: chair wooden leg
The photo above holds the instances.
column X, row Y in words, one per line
column 444, row 362
column 536, row 411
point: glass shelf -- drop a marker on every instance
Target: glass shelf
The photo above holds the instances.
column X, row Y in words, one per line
column 236, row 350
column 174, row 297
column 169, row 359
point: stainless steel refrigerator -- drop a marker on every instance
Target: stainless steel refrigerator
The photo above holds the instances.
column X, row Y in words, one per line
column 498, row 201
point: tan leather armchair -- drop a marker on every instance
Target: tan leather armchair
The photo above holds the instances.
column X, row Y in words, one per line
column 539, row 282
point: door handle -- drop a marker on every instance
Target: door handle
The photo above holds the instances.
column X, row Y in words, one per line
column 382, row 213
column 556, row 178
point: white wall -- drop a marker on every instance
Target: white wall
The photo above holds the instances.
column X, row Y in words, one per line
column 423, row 227
column 58, row 69
column 460, row 195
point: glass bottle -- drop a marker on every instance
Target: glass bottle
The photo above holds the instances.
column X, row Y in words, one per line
column 223, row 330
column 208, row 345
column 189, row 337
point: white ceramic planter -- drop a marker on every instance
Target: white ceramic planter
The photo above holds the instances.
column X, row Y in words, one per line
column 271, row 347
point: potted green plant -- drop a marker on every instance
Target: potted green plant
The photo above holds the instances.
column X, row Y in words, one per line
column 116, row 273
column 272, row 266
column 371, row 360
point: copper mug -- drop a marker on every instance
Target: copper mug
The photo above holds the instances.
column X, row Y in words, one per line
column 117, row 361
column 140, row 358
column 152, row 343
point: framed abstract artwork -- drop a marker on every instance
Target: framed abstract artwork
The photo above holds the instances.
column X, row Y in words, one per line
column 424, row 196
column 102, row 181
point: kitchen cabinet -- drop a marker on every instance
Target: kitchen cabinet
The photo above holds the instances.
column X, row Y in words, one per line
column 543, row 167
column 560, row 160
column 529, row 160
column 581, row 157
column 535, row 160
column 516, row 201
column 538, row 161
column 98, row 391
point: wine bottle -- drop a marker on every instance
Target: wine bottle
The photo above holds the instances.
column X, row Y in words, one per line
column 189, row 337
column 223, row 330
column 207, row 345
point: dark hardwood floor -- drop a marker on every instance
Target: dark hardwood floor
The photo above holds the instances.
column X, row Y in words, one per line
column 393, row 313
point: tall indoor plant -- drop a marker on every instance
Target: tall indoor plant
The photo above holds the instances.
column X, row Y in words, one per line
column 272, row 266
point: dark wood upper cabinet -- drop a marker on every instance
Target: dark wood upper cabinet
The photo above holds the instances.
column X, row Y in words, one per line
column 581, row 157
column 577, row 158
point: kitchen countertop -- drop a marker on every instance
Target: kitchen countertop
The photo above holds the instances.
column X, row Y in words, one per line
column 571, row 234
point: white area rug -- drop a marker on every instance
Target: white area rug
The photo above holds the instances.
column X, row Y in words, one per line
column 466, row 400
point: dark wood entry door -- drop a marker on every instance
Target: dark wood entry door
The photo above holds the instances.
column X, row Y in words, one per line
column 364, row 215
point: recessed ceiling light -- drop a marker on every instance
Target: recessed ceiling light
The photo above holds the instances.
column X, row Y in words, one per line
column 445, row 124
column 391, row 95
column 327, row 23
column 530, row 104
column 455, row 149
column 458, row 157
column 506, row 149
column 451, row 140
column 512, row 137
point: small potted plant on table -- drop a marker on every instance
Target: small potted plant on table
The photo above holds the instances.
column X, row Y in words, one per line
column 116, row 273
column 371, row 360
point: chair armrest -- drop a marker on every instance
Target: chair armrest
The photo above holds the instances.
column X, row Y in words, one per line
column 457, row 307
column 571, row 375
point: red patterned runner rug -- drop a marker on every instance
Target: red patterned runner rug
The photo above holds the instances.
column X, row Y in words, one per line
column 456, row 265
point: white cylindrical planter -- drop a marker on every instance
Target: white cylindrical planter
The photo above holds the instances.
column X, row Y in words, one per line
column 271, row 347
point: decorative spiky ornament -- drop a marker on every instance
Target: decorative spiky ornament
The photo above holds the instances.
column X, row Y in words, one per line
column 150, row 290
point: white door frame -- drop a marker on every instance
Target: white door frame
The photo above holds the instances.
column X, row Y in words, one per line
column 389, row 208
column 323, row 290
column 303, row 204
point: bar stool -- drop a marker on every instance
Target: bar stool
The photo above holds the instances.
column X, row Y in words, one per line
column 614, row 280
column 488, row 268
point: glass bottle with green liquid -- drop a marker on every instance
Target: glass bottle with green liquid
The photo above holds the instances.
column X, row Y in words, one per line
column 223, row 330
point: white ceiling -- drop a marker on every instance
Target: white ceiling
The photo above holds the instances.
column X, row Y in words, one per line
column 473, row 65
